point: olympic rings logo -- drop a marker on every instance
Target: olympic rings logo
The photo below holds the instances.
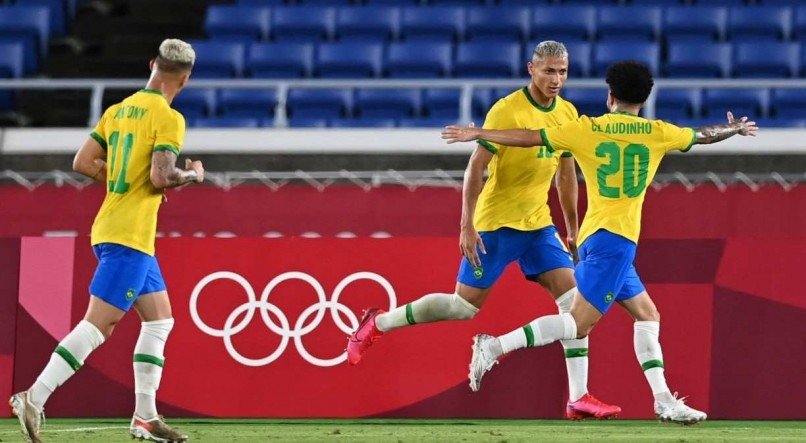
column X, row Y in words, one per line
column 284, row 329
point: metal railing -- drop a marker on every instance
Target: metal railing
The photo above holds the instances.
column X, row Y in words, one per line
column 466, row 86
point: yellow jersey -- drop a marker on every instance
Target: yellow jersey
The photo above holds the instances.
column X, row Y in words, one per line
column 516, row 192
column 130, row 132
column 619, row 154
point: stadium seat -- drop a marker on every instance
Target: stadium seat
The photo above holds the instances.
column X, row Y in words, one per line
column 307, row 122
column 387, row 103
column 226, row 122
column 487, row 59
column 31, row 22
column 563, row 23
column 781, row 122
column 590, row 102
column 392, row 2
column 709, row 23
column 443, row 103
column 657, row 2
column 280, row 60
column 509, row 24
column 11, row 60
column 437, row 23
column 319, row 103
column 692, row 60
column 632, row 23
column 767, row 59
column 426, row 122
column 607, row 53
column 579, row 57
column 418, row 60
column 56, row 10
column 799, row 24
column 218, row 59
column 789, row 103
column 254, row 103
column 363, row 123
column 591, row 2
column 262, row 2
column 325, row 2
column 193, row 103
column 677, row 104
column 368, row 23
column 772, row 23
column 348, row 60
column 742, row 102
column 303, row 24
column 247, row 22
column 499, row 93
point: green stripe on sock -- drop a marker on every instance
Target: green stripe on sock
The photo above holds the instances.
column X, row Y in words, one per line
column 576, row 352
column 651, row 364
column 530, row 336
column 145, row 358
column 410, row 314
column 68, row 357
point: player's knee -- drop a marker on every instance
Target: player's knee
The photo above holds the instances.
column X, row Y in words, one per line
column 462, row 309
column 650, row 313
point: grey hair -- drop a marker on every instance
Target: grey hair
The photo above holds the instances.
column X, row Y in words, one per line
column 549, row 48
column 177, row 51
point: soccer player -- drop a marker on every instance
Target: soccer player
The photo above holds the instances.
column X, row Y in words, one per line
column 133, row 151
column 619, row 154
column 507, row 219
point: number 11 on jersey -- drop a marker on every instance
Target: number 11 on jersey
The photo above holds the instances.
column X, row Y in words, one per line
column 117, row 182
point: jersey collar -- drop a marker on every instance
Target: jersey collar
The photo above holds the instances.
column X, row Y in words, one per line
column 626, row 113
column 536, row 104
column 151, row 91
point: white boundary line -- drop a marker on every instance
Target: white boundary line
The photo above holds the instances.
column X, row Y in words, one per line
column 46, row 430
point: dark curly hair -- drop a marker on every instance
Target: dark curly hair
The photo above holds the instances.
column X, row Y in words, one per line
column 630, row 81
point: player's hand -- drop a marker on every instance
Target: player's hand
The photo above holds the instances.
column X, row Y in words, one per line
column 455, row 133
column 745, row 127
column 195, row 166
column 572, row 247
column 470, row 243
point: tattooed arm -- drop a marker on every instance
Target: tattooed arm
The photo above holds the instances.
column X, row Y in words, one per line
column 716, row 133
column 165, row 174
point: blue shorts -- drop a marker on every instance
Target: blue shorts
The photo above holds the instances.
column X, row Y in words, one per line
column 605, row 273
column 536, row 251
column 124, row 274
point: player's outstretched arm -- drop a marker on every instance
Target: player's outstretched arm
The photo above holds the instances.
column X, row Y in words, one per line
column 89, row 160
column 716, row 133
column 525, row 138
column 165, row 174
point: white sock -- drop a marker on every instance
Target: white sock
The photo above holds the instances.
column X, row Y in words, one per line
column 539, row 332
column 650, row 356
column 576, row 354
column 428, row 308
column 148, row 362
column 65, row 361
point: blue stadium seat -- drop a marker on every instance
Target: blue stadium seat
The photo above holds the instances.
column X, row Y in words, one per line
column 418, row 60
column 677, row 104
column 782, row 122
column 387, row 103
column 363, row 123
column 767, row 59
column 319, row 103
column 11, row 60
column 426, row 122
column 303, row 24
column 692, row 60
column 590, row 102
column 251, row 23
column 218, row 59
column 436, row 23
column 742, row 102
column 254, row 103
column 772, row 23
column 349, row 60
column 392, row 2
column 31, row 22
column 789, row 103
column 440, row 103
column 226, row 122
column 325, row 2
column 607, row 53
column 57, row 13
column 280, row 60
column 368, row 23
column 737, row 3
column 803, row 60
column 591, row 2
column 307, row 122
column 262, row 2
column 657, row 2
column 497, row 24
column 799, row 24
column 563, row 23
column 579, row 57
column 706, row 22
column 629, row 22
column 499, row 93
column 195, row 102
column 487, row 59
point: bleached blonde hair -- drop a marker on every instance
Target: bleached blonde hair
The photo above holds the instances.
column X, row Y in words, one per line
column 549, row 48
column 176, row 55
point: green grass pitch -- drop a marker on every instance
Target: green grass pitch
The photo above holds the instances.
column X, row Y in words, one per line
column 204, row 430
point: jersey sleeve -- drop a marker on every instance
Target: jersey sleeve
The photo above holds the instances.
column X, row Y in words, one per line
column 565, row 137
column 99, row 132
column 170, row 129
column 675, row 137
column 498, row 117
